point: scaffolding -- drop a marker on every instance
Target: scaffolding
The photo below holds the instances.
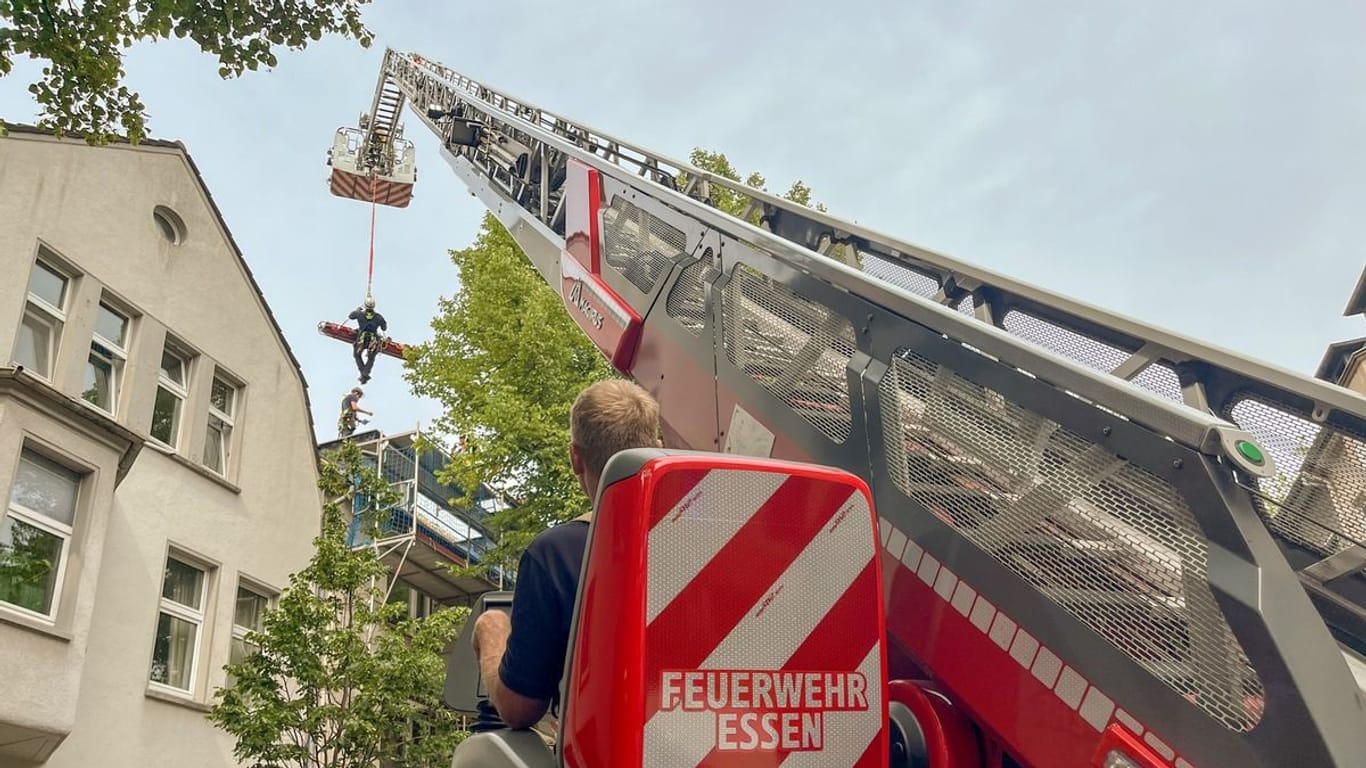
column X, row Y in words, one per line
column 430, row 528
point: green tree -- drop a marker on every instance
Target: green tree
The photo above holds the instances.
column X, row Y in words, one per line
column 83, row 43
column 339, row 678
column 733, row 202
column 737, row 203
column 506, row 362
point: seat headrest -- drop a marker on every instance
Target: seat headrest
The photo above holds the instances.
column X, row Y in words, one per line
column 730, row 606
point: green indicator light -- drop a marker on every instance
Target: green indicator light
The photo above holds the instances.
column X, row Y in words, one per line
column 1250, row 452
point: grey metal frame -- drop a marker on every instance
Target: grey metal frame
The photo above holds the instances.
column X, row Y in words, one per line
column 1211, row 380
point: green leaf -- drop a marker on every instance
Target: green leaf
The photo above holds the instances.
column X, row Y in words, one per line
column 81, row 89
column 507, row 361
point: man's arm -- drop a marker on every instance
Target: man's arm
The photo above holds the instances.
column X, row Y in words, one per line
column 355, row 314
column 491, row 631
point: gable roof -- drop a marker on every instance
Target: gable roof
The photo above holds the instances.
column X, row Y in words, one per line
column 1357, row 304
column 1335, row 359
column 184, row 152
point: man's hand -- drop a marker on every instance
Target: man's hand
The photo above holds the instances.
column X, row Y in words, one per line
column 490, row 641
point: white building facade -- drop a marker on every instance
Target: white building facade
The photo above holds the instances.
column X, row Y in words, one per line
column 157, row 462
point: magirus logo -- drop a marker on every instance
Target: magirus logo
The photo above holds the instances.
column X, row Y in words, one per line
column 585, row 306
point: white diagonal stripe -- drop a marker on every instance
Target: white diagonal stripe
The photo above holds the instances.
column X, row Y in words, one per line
column 847, row 734
column 678, row 737
column 769, row 634
column 687, row 538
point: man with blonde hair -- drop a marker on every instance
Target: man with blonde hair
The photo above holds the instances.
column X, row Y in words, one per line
column 521, row 659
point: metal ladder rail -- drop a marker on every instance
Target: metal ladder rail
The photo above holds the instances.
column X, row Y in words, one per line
column 1190, row 427
column 377, row 148
column 1213, row 371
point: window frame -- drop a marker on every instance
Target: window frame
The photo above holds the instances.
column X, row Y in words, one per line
column 198, row 617
column 424, row 605
column 54, row 317
column 178, row 391
column 166, row 218
column 239, row 632
column 225, row 451
column 51, row 328
column 117, row 355
column 34, row 518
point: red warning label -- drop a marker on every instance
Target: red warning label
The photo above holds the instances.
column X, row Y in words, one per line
column 765, row 710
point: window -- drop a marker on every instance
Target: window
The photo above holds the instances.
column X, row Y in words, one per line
column 425, row 606
column 218, row 441
column 170, row 397
column 105, row 364
column 169, row 223
column 419, row 604
column 248, row 616
column 35, row 533
column 44, row 313
column 179, row 624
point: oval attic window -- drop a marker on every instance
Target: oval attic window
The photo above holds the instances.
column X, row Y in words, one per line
column 171, row 226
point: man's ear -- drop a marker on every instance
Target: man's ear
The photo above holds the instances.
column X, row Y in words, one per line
column 575, row 459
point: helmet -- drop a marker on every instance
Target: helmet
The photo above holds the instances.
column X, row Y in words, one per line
column 369, row 302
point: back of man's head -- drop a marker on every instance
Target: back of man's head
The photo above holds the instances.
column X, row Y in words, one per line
column 612, row 416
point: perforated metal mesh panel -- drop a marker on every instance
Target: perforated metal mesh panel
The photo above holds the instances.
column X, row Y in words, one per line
column 687, row 300
column 792, row 346
column 1161, row 379
column 901, row 276
column 1093, row 354
column 639, row 246
column 1318, row 496
column 1111, row 543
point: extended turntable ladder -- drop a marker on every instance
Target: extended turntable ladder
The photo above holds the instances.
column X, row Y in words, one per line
column 1135, row 517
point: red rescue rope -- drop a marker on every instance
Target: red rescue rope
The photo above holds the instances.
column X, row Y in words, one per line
column 370, row 272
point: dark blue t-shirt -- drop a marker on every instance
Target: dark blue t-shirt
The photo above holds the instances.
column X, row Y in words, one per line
column 368, row 321
column 542, row 609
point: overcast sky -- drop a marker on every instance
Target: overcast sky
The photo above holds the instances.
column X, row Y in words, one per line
column 1198, row 165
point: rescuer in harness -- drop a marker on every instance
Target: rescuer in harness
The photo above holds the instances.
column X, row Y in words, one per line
column 350, row 410
column 521, row 659
column 368, row 341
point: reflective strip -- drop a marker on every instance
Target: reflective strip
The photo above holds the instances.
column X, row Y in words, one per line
column 673, row 491
column 678, row 737
column 776, row 590
column 847, row 734
column 690, row 626
column 799, row 599
column 1074, row 690
column 684, row 540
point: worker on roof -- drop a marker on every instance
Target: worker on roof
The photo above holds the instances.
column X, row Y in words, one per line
column 521, row 658
column 368, row 341
column 350, row 412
